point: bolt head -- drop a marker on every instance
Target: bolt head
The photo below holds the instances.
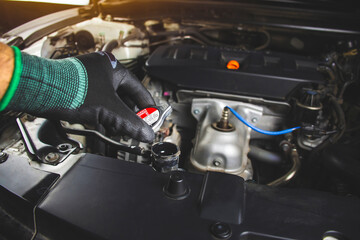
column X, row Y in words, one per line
column 196, row 111
column 216, row 163
column 52, row 157
column 285, row 147
column 64, row 147
column 254, row 120
column 3, row 157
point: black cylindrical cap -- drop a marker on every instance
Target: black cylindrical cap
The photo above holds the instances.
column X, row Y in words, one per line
column 176, row 187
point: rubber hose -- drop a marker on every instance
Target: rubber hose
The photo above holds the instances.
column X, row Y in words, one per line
column 342, row 127
column 110, row 46
column 262, row 155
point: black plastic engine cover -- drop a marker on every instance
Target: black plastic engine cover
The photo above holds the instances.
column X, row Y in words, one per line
column 105, row 198
column 267, row 75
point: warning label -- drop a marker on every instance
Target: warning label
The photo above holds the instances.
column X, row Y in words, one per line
column 149, row 115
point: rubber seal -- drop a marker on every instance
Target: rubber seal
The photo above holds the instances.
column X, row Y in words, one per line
column 14, row 83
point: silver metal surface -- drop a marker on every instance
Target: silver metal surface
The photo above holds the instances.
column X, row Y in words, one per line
column 317, row 108
column 183, row 95
column 222, row 151
column 309, row 144
column 18, row 149
column 88, row 132
column 273, row 112
column 175, row 137
column 39, row 150
column 165, row 112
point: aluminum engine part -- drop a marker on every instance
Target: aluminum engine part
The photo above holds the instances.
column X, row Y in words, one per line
column 220, row 151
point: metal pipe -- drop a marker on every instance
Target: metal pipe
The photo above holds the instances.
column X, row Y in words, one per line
column 294, row 156
column 87, row 132
column 177, row 38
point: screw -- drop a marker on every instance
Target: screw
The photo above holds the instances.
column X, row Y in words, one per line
column 224, row 121
column 196, row 111
column 254, row 120
column 52, row 157
column 285, row 147
column 3, row 157
column 64, row 147
column 217, row 162
column 225, row 113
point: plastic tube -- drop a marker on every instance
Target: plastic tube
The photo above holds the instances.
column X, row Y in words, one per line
column 258, row 129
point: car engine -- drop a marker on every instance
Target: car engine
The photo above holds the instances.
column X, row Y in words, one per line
column 185, row 68
column 204, row 71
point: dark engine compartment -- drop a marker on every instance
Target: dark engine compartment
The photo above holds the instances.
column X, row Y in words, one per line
column 230, row 181
column 103, row 198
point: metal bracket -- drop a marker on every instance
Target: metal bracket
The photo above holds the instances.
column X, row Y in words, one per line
column 87, row 132
column 46, row 142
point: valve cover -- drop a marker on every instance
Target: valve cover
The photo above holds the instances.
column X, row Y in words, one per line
column 205, row 68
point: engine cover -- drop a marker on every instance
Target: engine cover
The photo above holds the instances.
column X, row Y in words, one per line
column 262, row 74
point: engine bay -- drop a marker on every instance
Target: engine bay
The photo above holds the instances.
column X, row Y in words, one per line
column 203, row 70
column 182, row 67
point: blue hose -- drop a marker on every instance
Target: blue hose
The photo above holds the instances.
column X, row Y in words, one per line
column 258, row 129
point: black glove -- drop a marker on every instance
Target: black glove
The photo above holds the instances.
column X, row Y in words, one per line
column 103, row 106
column 83, row 90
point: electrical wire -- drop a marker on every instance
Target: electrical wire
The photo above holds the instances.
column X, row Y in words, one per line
column 258, row 129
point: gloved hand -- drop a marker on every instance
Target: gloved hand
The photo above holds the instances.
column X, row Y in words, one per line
column 82, row 90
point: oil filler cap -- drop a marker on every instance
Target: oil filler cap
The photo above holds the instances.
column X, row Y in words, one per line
column 233, row 65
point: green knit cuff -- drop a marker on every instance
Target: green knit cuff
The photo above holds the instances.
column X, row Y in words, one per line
column 49, row 85
column 10, row 92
